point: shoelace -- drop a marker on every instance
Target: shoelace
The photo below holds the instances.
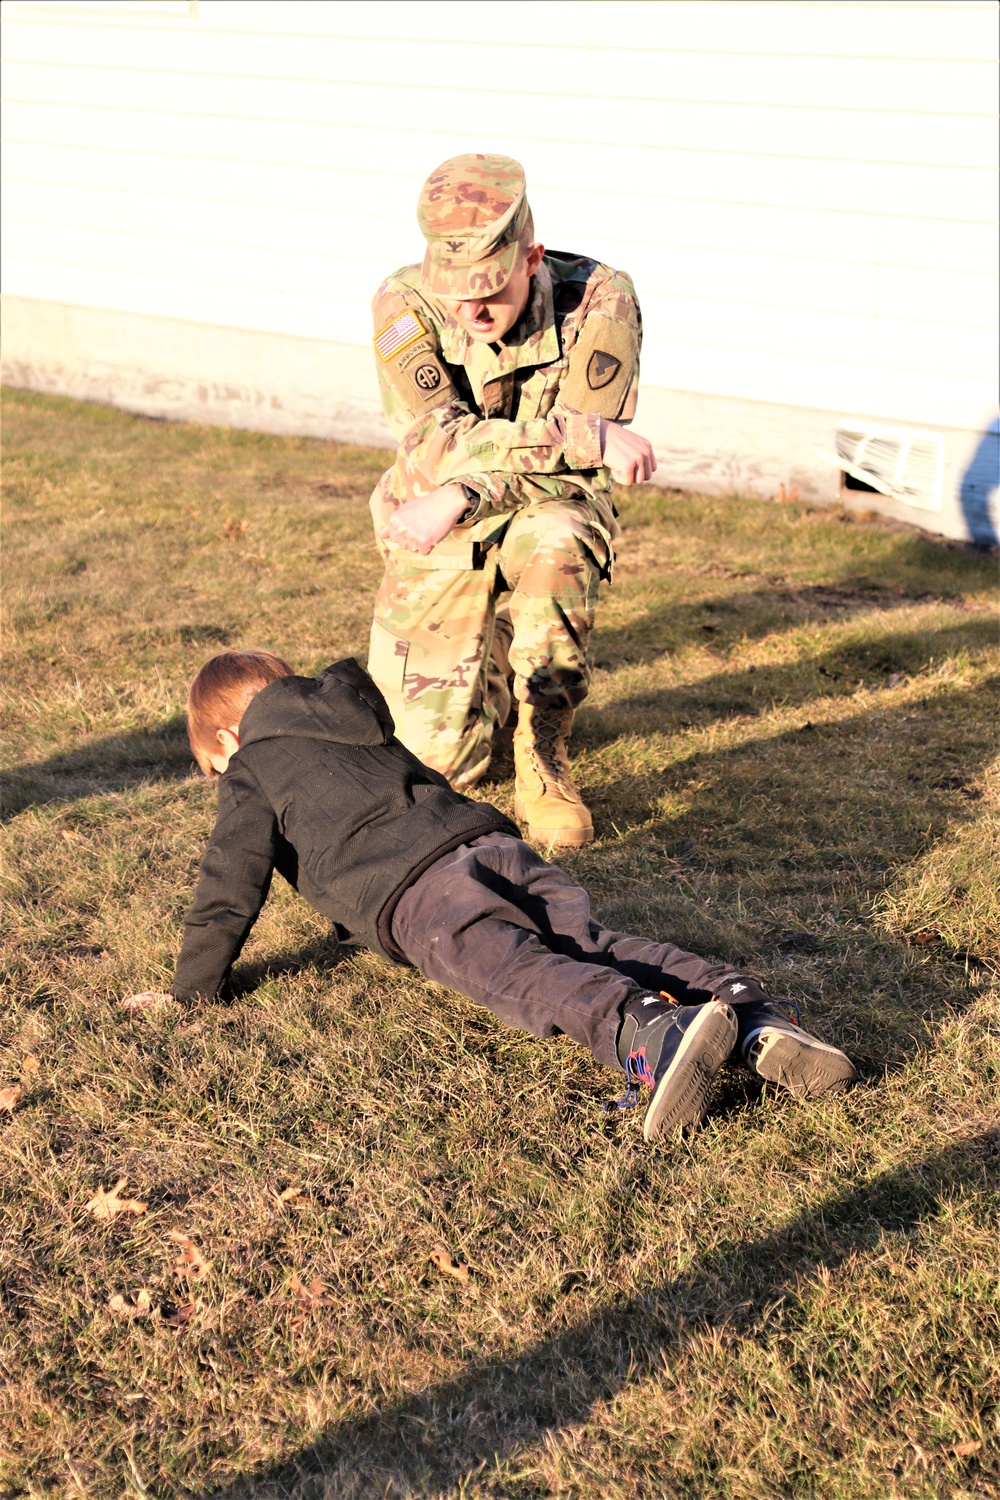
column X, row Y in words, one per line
column 637, row 1073
column 637, row 1070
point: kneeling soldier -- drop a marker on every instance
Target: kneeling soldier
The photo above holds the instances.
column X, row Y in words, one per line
column 507, row 374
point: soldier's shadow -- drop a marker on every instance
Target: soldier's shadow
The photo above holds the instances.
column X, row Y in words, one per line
column 785, row 824
column 746, row 615
column 832, row 670
column 503, row 1404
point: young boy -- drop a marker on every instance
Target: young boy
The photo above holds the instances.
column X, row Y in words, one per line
column 314, row 784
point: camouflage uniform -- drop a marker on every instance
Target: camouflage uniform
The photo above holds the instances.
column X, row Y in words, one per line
column 518, row 424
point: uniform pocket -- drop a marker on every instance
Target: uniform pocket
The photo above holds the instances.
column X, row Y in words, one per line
column 601, row 547
column 387, row 659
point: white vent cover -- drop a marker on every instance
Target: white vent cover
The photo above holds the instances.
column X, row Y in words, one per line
column 898, row 461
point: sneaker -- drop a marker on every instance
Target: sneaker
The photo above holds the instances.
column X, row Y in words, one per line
column 676, row 1050
column 773, row 1046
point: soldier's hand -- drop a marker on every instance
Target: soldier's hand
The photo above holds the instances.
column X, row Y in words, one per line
column 420, row 524
column 628, row 455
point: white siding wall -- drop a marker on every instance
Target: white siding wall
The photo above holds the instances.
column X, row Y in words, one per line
column 805, row 194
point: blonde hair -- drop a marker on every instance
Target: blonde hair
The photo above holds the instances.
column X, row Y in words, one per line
column 219, row 695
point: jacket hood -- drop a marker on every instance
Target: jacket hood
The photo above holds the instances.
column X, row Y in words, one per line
column 342, row 704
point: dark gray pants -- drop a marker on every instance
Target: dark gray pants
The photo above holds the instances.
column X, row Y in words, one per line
column 499, row 924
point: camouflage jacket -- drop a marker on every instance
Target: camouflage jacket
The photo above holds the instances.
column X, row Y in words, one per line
column 519, row 422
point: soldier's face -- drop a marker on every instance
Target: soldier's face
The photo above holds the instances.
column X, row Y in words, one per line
column 489, row 318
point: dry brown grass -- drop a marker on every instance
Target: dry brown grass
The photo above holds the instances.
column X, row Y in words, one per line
column 788, row 750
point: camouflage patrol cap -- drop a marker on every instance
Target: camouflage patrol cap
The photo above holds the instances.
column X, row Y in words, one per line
column 471, row 211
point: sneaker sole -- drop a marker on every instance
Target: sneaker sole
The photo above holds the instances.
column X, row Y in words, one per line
column 804, row 1065
column 566, row 838
column 681, row 1095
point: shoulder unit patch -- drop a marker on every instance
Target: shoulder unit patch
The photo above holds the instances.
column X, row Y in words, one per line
column 602, row 369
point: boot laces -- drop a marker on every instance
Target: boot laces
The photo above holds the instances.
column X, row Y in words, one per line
column 546, row 731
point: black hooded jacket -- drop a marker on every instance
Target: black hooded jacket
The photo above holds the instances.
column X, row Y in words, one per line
column 322, row 791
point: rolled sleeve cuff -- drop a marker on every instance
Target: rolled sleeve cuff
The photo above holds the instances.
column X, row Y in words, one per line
column 583, row 441
column 486, row 494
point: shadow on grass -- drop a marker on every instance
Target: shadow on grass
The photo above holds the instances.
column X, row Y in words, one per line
column 669, row 625
column 833, row 670
column 805, row 829
column 807, row 788
column 119, row 762
column 498, row 1407
column 113, row 763
column 325, row 953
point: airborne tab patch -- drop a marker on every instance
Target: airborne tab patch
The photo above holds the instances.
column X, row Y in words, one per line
column 399, row 334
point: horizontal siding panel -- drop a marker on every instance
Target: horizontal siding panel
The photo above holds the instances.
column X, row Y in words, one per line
column 394, row 70
column 837, row 134
column 940, row 296
column 851, row 387
column 922, row 192
column 902, row 343
column 79, row 207
column 769, row 279
column 218, row 304
column 161, row 266
column 887, row 30
column 805, row 194
column 60, row 164
column 853, row 239
column 886, row 344
column 938, row 245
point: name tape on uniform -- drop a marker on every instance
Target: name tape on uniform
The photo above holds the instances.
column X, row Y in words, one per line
column 399, row 334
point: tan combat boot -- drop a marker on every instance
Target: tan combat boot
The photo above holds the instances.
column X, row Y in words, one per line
column 544, row 797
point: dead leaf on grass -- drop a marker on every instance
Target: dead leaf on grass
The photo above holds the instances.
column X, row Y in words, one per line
column 309, row 1298
column 182, row 1314
column 442, row 1257
column 235, row 528
column 963, row 1450
column 291, row 1195
column 109, row 1205
column 9, row 1098
column 29, row 1064
column 72, row 837
column 190, row 1262
column 923, row 939
column 142, row 1307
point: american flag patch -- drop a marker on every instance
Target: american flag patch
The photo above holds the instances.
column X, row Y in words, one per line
column 405, row 330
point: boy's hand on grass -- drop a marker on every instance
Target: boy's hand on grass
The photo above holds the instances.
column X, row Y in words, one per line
column 420, row 524
column 146, row 1001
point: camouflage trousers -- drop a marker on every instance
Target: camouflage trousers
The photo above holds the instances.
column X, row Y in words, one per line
column 433, row 630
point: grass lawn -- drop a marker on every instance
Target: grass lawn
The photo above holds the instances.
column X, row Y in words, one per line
column 788, row 753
